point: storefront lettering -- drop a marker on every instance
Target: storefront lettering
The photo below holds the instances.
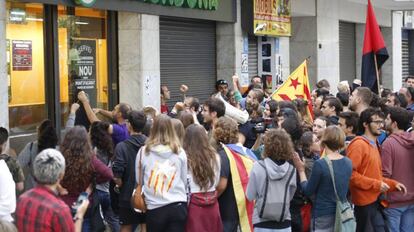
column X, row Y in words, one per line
column 85, row 70
column 193, row 4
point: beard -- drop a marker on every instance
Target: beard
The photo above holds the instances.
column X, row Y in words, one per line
column 374, row 131
column 352, row 106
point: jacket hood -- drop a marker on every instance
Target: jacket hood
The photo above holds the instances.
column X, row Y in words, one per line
column 405, row 139
column 136, row 140
column 163, row 151
column 274, row 171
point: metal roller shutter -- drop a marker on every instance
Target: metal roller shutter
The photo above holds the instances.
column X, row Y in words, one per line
column 188, row 56
column 405, row 59
column 347, row 55
column 253, row 56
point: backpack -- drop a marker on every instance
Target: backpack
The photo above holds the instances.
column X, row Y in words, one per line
column 344, row 216
column 276, row 207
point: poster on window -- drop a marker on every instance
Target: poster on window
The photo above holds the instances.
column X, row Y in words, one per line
column 272, row 17
column 22, row 55
column 83, row 68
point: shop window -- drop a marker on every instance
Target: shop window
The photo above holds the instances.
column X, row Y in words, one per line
column 25, row 66
column 83, row 64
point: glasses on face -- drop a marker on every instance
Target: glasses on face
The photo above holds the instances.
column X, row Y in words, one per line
column 378, row 122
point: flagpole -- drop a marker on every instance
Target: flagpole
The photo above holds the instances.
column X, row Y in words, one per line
column 377, row 74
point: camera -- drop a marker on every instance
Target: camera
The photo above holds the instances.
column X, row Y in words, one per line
column 262, row 125
column 74, row 209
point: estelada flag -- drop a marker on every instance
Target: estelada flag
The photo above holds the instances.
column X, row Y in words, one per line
column 296, row 86
column 374, row 45
column 240, row 167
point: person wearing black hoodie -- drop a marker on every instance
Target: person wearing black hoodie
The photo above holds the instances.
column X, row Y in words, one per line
column 124, row 170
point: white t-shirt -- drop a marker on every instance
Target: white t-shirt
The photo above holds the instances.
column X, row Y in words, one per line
column 7, row 193
column 195, row 188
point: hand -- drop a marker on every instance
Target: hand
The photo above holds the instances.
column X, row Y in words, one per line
column 82, row 209
column 183, row 88
column 235, row 78
column 299, row 164
column 400, row 187
column 384, row 187
column 96, row 110
column 82, row 96
column 74, row 107
column 179, row 106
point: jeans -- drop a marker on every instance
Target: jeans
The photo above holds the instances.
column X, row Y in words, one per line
column 171, row 218
column 400, row 219
column 110, row 217
column 256, row 229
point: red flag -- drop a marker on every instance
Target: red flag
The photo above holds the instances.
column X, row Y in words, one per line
column 374, row 45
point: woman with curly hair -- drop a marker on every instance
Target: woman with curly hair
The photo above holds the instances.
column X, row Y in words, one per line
column 46, row 138
column 204, row 169
column 103, row 148
column 272, row 183
column 226, row 135
column 83, row 169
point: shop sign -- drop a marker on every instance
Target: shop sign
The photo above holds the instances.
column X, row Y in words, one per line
column 83, row 68
column 193, row 4
column 22, row 55
column 272, row 17
column 85, row 3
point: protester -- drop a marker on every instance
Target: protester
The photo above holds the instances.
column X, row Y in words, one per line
column 226, row 132
column 409, row 81
column 124, row 170
column 360, row 99
column 319, row 126
column 320, row 183
column 271, row 212
column 344, row 99
column 323, row 84
column 12, row 164
column 397, row 100
column 397, row 164
column 222, row 87
column 46, row 138
column 331, row 107
column 41, row 209
column 310, row 149
column 187, row 119
column 103, row 148
column 83, row 171
column 118, row 130
column 409, row 96
column 367, row 183
column 213, row 109
column 179, row 129
column 164, row 178
column 7, row 193
column 348, row 122
column 204, row 175
column 165, row 96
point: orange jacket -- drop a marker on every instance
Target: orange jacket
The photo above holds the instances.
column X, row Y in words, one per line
column 365, row 183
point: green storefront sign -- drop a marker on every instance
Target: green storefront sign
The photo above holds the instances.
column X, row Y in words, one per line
column 193, row 4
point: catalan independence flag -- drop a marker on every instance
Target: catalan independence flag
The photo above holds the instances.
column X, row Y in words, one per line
column 296, row 86
column 240, row 167
column 374, row 51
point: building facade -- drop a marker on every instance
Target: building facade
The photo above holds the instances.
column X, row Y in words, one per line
column 124, row 50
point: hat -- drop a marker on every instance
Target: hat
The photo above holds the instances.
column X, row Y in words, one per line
column 221, row 82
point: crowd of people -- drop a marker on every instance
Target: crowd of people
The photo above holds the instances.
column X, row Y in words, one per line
column 240, row 161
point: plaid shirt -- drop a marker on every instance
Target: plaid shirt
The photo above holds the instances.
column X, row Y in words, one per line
column 40, row 209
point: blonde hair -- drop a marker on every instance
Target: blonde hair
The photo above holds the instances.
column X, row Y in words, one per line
column 163, row 133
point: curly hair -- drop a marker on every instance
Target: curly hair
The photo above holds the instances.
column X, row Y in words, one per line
column 278, row 145
column 77, row 151
column 226, row 131
column 202, row 161
column 46, row 136
column 101, row 139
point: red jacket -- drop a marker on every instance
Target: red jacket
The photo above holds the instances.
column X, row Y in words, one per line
column 397, row 156
column 366, row 176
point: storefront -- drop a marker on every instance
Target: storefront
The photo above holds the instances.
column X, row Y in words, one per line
column 56, row 48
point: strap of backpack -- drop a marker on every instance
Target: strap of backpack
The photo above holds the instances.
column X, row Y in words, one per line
column 261, row 162
column 330, row 166
column 140, row 167
column 282, row 215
